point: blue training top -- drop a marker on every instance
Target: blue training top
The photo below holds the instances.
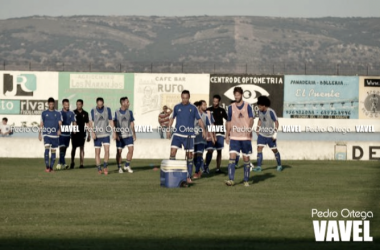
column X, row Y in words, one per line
column 68, row 117
column 50, row 121
column 185, row 116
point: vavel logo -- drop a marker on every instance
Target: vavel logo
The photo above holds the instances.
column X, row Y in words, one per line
column 372, row 82
column 351, row 226
column 19, row 84
column 250, row 93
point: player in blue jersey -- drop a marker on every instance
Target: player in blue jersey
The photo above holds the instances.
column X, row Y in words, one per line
column 200, row 142
column 125, row 134
column 68, row 119
column 185, row 114
column 266, row 132
column 101, row 129
column 50, row 130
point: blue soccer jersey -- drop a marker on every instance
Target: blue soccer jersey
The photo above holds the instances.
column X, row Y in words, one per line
column 51, row 121
column 199, row 137
column 212, row 120
column 68, row 117
column 185, row 116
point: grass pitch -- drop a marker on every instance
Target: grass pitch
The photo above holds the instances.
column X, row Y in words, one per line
column 78, row 209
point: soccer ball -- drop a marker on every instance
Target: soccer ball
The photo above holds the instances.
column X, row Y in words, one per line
column 58, row 167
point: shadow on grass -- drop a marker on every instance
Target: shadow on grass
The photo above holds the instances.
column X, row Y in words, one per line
column 284, row 168
column 113, row 166
column 145, row 168
column 135, row 170
column 213, row 173
column 262, row 177
column 178, row 243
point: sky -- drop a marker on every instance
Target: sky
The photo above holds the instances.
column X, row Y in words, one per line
column 275, row 8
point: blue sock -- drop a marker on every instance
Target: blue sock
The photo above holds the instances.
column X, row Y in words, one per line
column 202, row 164
column 105, row 164
column 127, row 163
column 189, row 168
column 62, row 153
column 52, row 160
column 237, row 159
column 231, row 169
column 99, row 168
column 278, row 158
column 64, row 156
column 259, row 159
column 247, row 170
column 198, row 162
column 47, row 158
column 208, row 159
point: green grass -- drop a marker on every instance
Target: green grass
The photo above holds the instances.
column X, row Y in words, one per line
column 78, row 209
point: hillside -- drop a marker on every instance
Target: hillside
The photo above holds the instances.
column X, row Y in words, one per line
column 111, row 40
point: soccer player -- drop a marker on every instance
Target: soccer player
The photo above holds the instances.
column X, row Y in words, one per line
column 50, row 126
column 101, row 128
column 218, row 113
column 196, row 104
column 239, row 135
column 125, row 133
column 200, row 142
column 78, row 139
column 185, row 114
column 68, row 118
column 266, row 132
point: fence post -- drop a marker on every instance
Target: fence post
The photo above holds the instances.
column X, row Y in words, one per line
column 305, row 68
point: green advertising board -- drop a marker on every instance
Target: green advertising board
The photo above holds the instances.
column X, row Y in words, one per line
column 89, row 86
